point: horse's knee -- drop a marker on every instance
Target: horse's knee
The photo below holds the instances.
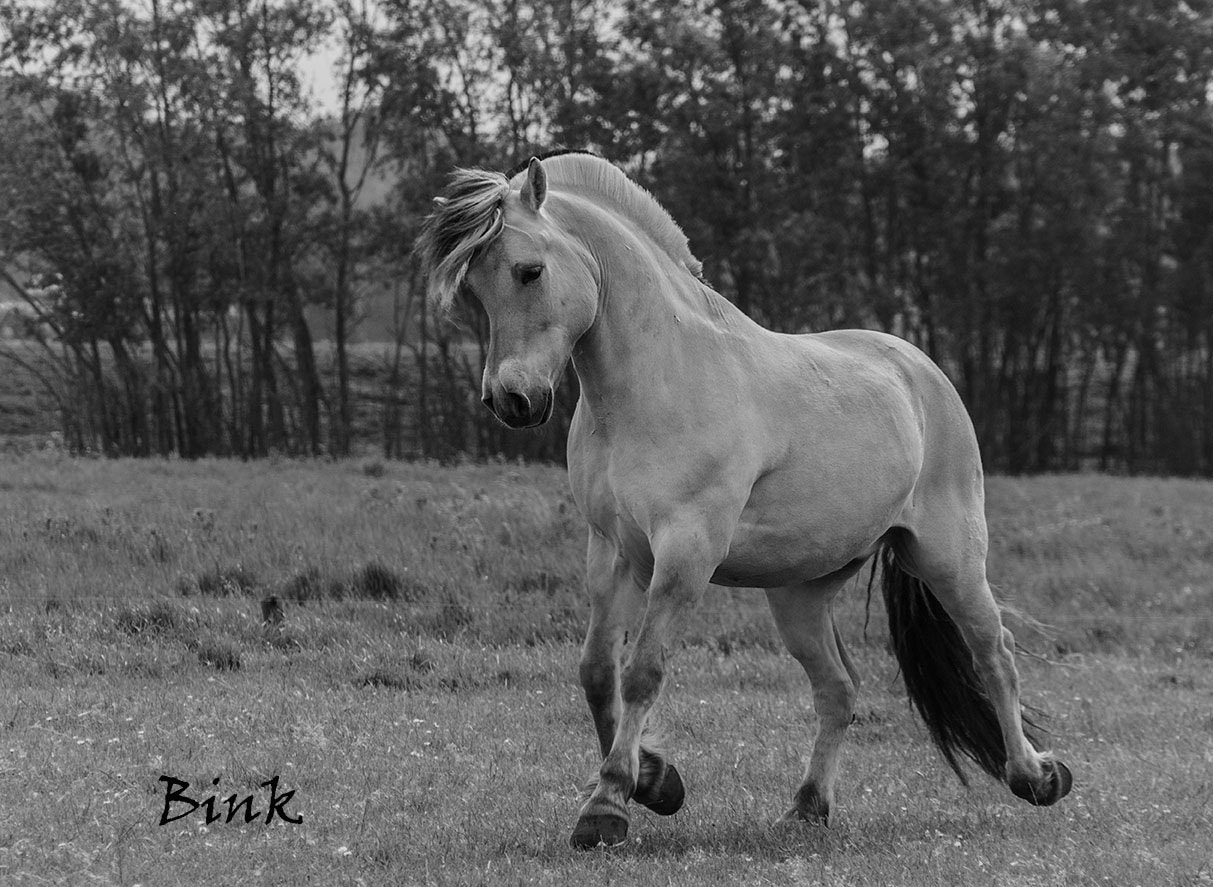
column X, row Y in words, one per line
column 641, row 683
column 598, row 681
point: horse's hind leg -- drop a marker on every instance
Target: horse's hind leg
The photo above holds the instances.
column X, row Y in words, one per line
column 616, row 602
column 948, row 555
column 806, row 624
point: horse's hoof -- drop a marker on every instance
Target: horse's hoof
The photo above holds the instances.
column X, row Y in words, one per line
column 808, row 806
column 599, row 829
column 666, row 798
column 1054, row 785
column 799, row 818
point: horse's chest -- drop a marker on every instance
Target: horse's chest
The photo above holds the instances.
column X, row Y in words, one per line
column 611, row 510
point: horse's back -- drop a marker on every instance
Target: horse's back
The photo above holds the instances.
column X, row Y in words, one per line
column 910, row 374
column 950, row 469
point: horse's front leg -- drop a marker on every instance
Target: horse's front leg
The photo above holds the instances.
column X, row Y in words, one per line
column 616, row 601
column 615, row 604
column 683, row 564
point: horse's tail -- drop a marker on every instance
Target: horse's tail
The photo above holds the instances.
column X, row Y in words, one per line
column 940, row 678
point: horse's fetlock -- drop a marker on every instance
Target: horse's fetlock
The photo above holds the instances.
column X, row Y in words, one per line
column 618, row 775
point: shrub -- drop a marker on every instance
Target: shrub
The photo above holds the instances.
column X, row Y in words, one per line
column 158, row 617
column 304, row 586
column 377, row 582
column 219, row 653
column 451, row 619
column 385, row 677
column 226, row 582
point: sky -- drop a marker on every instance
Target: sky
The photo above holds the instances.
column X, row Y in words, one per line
column 316, row 74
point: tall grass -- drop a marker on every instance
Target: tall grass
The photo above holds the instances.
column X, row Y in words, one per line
column 419, row 693
column 494, row 552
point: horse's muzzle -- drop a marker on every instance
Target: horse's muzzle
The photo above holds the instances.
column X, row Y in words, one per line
column 518, row 409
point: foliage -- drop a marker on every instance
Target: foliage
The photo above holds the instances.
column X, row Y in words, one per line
column 1019, row 187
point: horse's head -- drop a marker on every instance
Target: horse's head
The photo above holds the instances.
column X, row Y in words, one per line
column 538, row 290
column 537, row 286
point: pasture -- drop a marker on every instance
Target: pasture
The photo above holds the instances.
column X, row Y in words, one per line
column 420, row 695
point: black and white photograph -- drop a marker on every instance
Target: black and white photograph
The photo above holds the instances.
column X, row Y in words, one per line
column 586, row 442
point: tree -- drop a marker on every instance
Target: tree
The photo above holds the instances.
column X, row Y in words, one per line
column 181, row 179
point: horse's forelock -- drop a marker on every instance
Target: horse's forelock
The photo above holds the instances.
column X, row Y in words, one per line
column 467, row 217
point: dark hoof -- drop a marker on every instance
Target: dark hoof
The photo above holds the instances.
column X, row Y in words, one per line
column 666, row 796
column 809, row 807
column 599, row 829
column 798, row 817
column 1054, row 786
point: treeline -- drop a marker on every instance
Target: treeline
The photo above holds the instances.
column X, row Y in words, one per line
column 1022, row 188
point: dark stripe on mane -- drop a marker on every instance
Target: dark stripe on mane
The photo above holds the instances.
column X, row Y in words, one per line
column 555, row 152
column 469, row 215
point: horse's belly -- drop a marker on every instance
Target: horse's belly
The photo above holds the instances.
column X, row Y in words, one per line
column 791, row 533
column 773, row 559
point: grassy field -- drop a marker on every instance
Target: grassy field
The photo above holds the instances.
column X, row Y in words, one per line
column 420, row 695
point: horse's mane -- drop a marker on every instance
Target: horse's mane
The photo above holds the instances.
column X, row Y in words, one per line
column 468, row 215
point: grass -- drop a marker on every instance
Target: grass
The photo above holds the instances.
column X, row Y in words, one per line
column 420, row 697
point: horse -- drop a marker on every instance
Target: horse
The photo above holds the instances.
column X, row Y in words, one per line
column 704, row 449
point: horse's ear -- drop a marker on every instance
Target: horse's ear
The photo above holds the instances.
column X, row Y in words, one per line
column 535, row 189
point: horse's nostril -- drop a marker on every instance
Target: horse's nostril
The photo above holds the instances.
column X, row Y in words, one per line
column 520, row 404
column 487, row 400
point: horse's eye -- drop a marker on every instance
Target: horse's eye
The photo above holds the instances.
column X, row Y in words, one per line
column 529, row 273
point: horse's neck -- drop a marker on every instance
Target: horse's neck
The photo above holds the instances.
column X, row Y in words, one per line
column 656, row 324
